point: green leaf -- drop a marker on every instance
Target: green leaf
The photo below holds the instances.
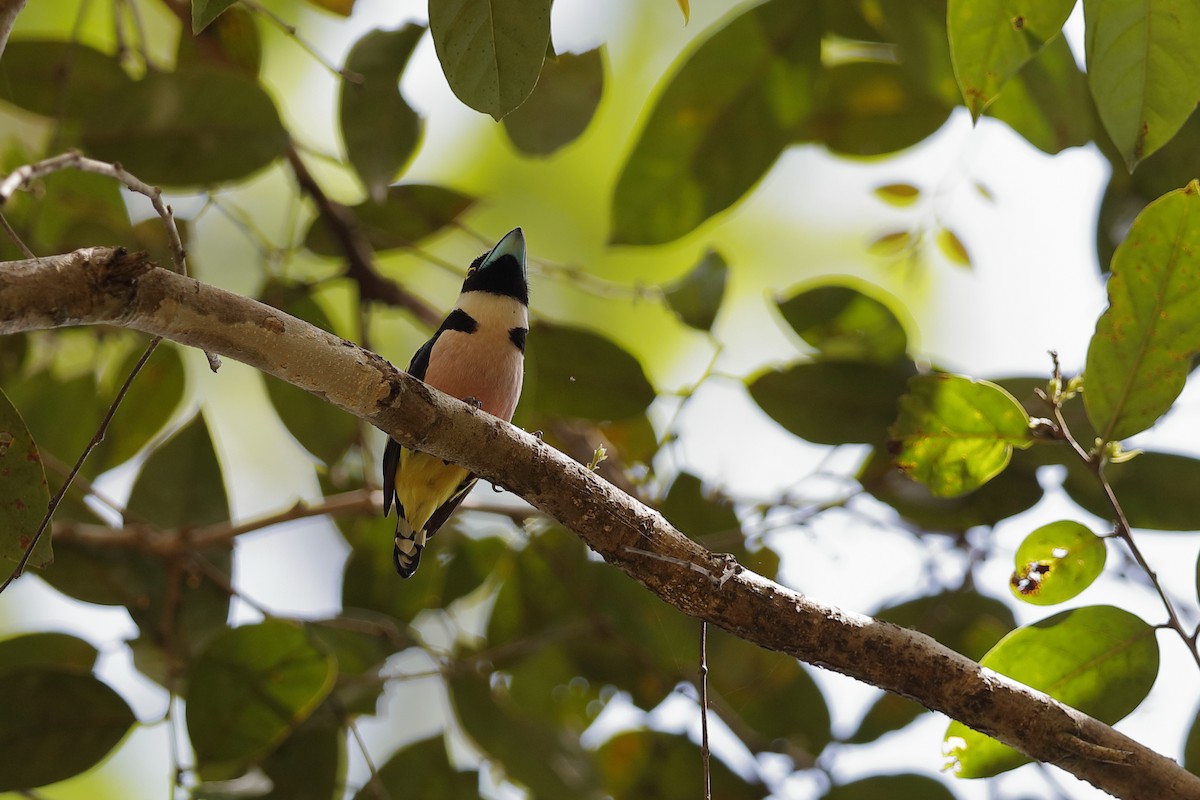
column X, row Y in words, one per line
column 471, row 563
column 231, row 42
column 890, row 787
column 954, row 434
column 1099, row 659
column 249, row 689
column 900, row 195
column 370, row 581
column 1142, row 350
column 696, row 297
column 832, row 402
column 917, row 28
column 561, row 106
column 63, row 80
column 1191, row 748
column 520, row 742
column 24, row 495
column 379, row 128
column 45, row 649
column 1014, row 490
column 491, row 50
column 56, row 723
column 664, row 766
column 710, row 519
column 322, row 429
column 1144, row 70
column 892, row 244
column 360, row 644
column 205, row 11
column 772, row 695
column 411, row 212
column 424, row 764
column 844, row 324
column 180, row 484
column 1157, row 491
column 1056, row 562
column 867, row 108
column 571, row 372
column 952, row 247
column 1047, row 102
column 188, row 128
column 991, row 40
column 719, row 123
column 311, row 763
column 150, row 403
column 87, row 210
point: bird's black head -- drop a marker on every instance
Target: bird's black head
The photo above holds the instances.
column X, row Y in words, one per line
column 501, row 270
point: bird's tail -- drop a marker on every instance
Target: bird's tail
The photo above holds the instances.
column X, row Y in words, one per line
column 409, row 544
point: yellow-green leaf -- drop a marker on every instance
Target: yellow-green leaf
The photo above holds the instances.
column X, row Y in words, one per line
column 955, row 434
column 1142, row 350
column 1057, row 562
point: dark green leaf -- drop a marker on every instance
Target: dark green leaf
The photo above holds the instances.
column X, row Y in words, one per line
column 1047, row 102
column 1142, row 350
column 771, row 694
column 151, row 401
column 833, row 402
column 521, row 743
column 180, row 484
column 205, row 11
column 56, row 724
column 696, row 297
column 62, row 414
column 249, row 689
column 471, row 563
column 47, row 650
column 1191, row 748
column 379, row 128
column 84, row 210
column 24, row 495
column 424, row 764
column 723, row 117
column 891, row 787
column 954, row 434
column 1157, row 491
column 410, row 213
column 370, row 582
column 561, row 106
column 663, row 766
column 844, row 324
column 360, row 644
column 491, row 50
column 1144, row 70
column 188, row 128
column 868, row 108
column 311, row 762
column 64, row 80
column 918, row 30
column 571, row 372
column 1099, row 659
column 232, row 42
column 991, row 40
column 1056, row 562
column 322, row 429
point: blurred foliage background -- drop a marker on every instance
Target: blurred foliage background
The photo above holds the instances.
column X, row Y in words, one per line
column 749, row 225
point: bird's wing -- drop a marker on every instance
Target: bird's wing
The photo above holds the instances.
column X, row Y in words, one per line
column 391, row 452
column 438, row 518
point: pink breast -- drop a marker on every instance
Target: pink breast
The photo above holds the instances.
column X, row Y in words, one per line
column 485, row 367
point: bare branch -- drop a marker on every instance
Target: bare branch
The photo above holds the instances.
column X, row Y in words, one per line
column 102, row 285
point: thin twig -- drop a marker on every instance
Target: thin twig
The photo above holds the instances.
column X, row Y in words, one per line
column 360, row 266
column 1095, row 460
column 12, row 234
column 376, row 784
column 290, row 30
column 97, row 437
column 705, row 753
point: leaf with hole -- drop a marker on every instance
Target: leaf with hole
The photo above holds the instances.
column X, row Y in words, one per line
column 1056, row 562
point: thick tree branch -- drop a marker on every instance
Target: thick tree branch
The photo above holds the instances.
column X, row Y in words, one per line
column 102, row 285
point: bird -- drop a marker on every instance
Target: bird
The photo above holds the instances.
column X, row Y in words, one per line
column 477, row 355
